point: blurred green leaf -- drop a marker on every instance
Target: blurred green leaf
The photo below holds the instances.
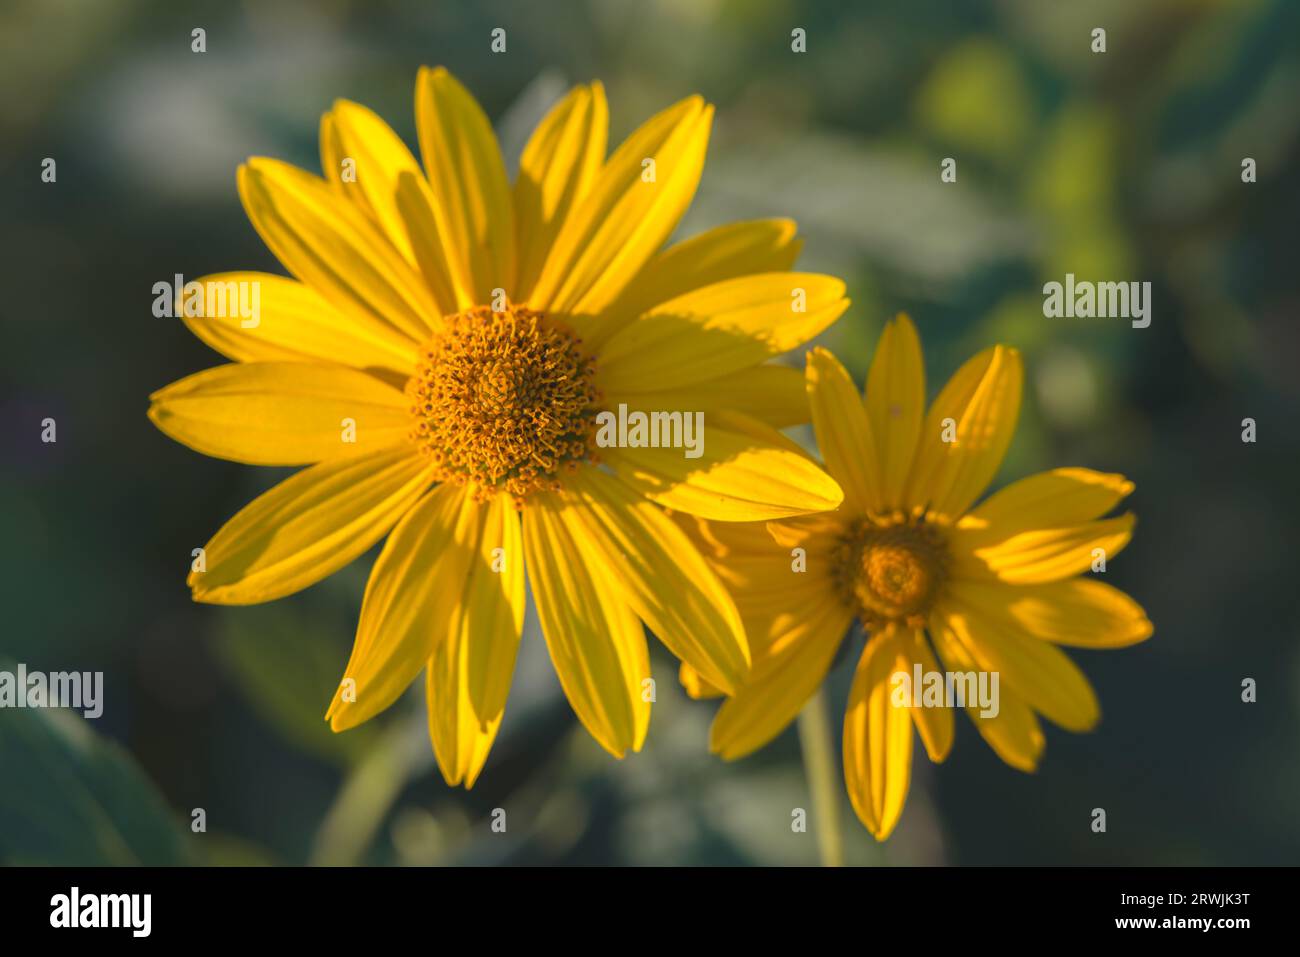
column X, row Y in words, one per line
column 978, row 99
column 289, row 670
column 72, row 797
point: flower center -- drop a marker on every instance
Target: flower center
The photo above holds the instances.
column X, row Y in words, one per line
column 891, row 570
column 503, row 400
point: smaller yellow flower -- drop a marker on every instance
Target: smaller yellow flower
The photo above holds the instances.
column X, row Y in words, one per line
column 992, row 590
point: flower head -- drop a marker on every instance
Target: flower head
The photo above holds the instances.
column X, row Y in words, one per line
column 438, row 362
column 991, row 589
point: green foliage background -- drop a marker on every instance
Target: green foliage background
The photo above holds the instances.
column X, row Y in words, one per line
column 1118, row 166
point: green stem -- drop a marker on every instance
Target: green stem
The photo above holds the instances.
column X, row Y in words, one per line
column 823, row 782
column 366, row 796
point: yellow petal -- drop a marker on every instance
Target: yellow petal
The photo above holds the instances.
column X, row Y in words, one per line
column 782, row 681
column 1082, row 612
column 843, row 431
column 895, row 403
column 772, row 587
column 662, row 576
column 380, row 157
column 724, row 252
column 1013, row 733
column 294, row 323
column 494, row 608
column 772, row 594
column 556, row 171
column 814, row 533
column 331, row 245
column 978, row 410
column 596, row 641
column 468, row 181
column 469, row 673
column 281, row 413
column 627, row 215
column 1047, row 500
column 725, row 541
column 411, row 596
column 308, row 527
column 431, row 240
column 696, row 687
column 1042, row 555
column 772, row 393
column 1035, row 671
column 722, row 328
column 935, row 725
column 746, row 471
column 768, row 605
column 332, row 155
column 878, row 737
column 460, row 742
column 774, row 616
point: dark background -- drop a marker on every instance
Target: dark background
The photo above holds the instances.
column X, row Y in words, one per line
column 1120, row 166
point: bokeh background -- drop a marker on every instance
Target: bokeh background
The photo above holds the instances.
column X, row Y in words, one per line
column 1122, row 166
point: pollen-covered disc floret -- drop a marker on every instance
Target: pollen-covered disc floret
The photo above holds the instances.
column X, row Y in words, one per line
column 891, row 570
column 503, row 400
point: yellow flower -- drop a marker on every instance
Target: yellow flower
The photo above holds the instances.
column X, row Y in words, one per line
column 439, row 361
column 991, row 589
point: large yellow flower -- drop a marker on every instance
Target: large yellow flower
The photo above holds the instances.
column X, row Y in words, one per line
column 991, row 589
column 439, row 361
